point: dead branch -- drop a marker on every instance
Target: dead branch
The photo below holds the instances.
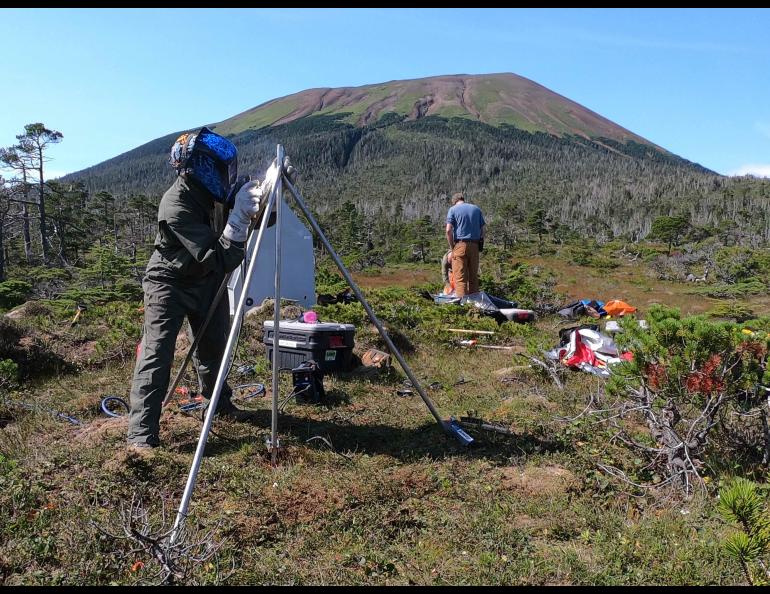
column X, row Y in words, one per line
column 587, row 410
column 548, row 368
column 173, row 563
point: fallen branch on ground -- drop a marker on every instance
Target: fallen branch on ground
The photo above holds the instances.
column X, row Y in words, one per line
column 548, row 368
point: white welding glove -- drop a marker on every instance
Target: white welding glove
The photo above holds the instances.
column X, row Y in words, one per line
column 289, row 170
column 251, row 202
column 271, row 175
column 247, row 205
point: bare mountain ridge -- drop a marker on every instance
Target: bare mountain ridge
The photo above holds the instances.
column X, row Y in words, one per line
column 494, row 99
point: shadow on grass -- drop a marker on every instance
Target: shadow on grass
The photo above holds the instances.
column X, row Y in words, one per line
column 335, row 398
column 427, row 440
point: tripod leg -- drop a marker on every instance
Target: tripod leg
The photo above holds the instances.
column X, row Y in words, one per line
column 276, row 312
column 446, row 426
column 223, row 368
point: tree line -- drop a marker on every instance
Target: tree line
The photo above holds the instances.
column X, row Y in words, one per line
column 382, row 191
column 53, row 223
column 406, row 169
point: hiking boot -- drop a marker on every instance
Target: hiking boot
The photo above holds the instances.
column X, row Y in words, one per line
column 141, row 448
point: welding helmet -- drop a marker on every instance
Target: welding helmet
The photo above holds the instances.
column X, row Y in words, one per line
column 209, row 158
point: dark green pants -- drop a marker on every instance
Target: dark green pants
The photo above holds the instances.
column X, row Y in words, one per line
column 165, row 308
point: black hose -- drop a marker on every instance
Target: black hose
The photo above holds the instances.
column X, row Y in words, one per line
column 114, row 399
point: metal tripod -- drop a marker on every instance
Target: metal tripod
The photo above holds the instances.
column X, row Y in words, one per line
column 276, row 201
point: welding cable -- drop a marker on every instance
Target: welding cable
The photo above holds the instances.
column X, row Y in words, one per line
column 259, row 390
column 32, row 407
column 107, row 400
column 293, row 393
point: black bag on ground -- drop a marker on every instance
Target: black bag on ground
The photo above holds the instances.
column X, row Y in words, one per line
column 573, row 310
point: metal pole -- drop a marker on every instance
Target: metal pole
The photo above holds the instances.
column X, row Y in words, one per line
column 428, row 402
column 276, row 309
column 223, row 368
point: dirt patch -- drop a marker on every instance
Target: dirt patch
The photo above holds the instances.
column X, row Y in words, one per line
column 396, row 278
column 19, row 312
column 30, row 352
column 537, row 400
column 525, row 522
column 304, row 502
column 82, row 352
column 26, row 342
column 97, row 430
column 539, row 480
column 11, row 414
column 256, row 528
column 411, row 481
column 125, row 464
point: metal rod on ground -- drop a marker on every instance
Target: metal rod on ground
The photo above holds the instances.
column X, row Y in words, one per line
column 276, row 310
column 428, row 402
column 475, row 345
column 496, row 347
column 470, row 331
column 223, row 368
column 481, row 424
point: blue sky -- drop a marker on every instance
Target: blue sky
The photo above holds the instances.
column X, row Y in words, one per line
column 694, row 81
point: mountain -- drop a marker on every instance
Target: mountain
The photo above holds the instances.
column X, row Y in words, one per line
column 493, row 99
column 396, row 150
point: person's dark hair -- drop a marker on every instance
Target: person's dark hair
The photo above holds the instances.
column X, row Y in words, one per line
column 456, row 197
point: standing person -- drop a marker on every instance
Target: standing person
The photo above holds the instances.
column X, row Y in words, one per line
column 465, row 234
column 446, row 273
column 184, row 272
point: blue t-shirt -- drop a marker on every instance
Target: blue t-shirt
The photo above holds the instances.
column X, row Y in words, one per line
column 467, row 221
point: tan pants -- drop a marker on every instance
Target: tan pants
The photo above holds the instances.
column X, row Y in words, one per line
column 465, row 267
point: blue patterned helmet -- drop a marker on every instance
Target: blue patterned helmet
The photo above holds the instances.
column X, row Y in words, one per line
column 209, row 158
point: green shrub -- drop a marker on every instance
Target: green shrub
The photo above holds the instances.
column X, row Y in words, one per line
column 124, row 329
column 736, row 264
column 749, row 286
column 13, row 293
column 732, row 310
column 745, row 503
column 9, row 373
column 530, row 287
column 328, row 279
column 406, row 311
column 122, row 290
column 589, row 257
column 105, row 266
column 685, row 376
column 46, row 282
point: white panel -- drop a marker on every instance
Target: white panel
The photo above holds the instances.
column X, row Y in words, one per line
column 297, row 266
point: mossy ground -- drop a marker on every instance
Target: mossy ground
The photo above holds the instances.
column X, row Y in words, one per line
column 387, row 498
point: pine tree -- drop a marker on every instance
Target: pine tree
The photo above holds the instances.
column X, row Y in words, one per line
column 32, row 145
column 740, row 501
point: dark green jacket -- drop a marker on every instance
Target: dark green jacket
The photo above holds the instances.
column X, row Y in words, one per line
column 188, row 250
